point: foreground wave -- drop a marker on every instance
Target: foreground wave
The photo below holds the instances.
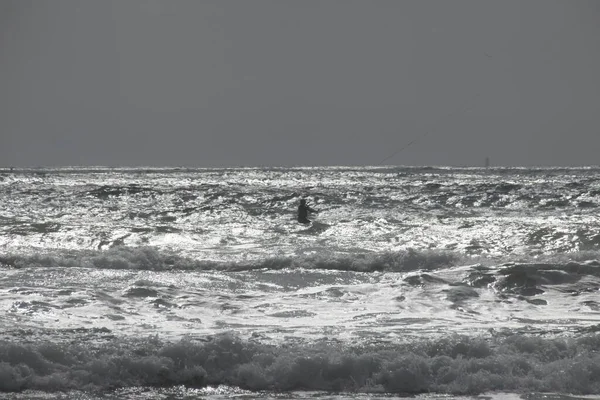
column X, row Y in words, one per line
column 454, row 365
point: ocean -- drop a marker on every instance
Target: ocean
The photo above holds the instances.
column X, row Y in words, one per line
column 410, row 282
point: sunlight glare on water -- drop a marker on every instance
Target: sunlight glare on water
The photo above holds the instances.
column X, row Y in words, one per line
column 408, row 280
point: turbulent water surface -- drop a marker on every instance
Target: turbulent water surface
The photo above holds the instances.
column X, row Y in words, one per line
column 177, row 283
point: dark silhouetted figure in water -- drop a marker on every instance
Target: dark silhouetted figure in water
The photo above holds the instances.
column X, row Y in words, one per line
column 303, row 210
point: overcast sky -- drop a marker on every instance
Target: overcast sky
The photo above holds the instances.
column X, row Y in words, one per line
column 299, row 82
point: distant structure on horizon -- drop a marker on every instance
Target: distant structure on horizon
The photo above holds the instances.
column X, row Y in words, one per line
column 487, row 162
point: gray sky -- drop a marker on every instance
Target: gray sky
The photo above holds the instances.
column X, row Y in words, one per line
column 329, row 82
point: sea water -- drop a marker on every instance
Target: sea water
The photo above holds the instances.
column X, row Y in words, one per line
column 177, row 283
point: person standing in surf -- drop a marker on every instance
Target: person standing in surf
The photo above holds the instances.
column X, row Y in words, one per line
column 303, row 210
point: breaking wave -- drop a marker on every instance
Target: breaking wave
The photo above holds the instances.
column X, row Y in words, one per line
column 454, row 365
column 151, row 259
column 148, row 258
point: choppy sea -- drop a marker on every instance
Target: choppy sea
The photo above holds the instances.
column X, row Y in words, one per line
column 431, row 283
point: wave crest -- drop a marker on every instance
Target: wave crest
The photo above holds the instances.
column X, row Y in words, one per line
column 454, row 365
column 148, row 258
column 522, row 272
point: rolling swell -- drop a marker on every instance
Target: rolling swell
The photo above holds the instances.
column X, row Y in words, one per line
column 453, row 365
column 550, row 269
column 148, row 258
